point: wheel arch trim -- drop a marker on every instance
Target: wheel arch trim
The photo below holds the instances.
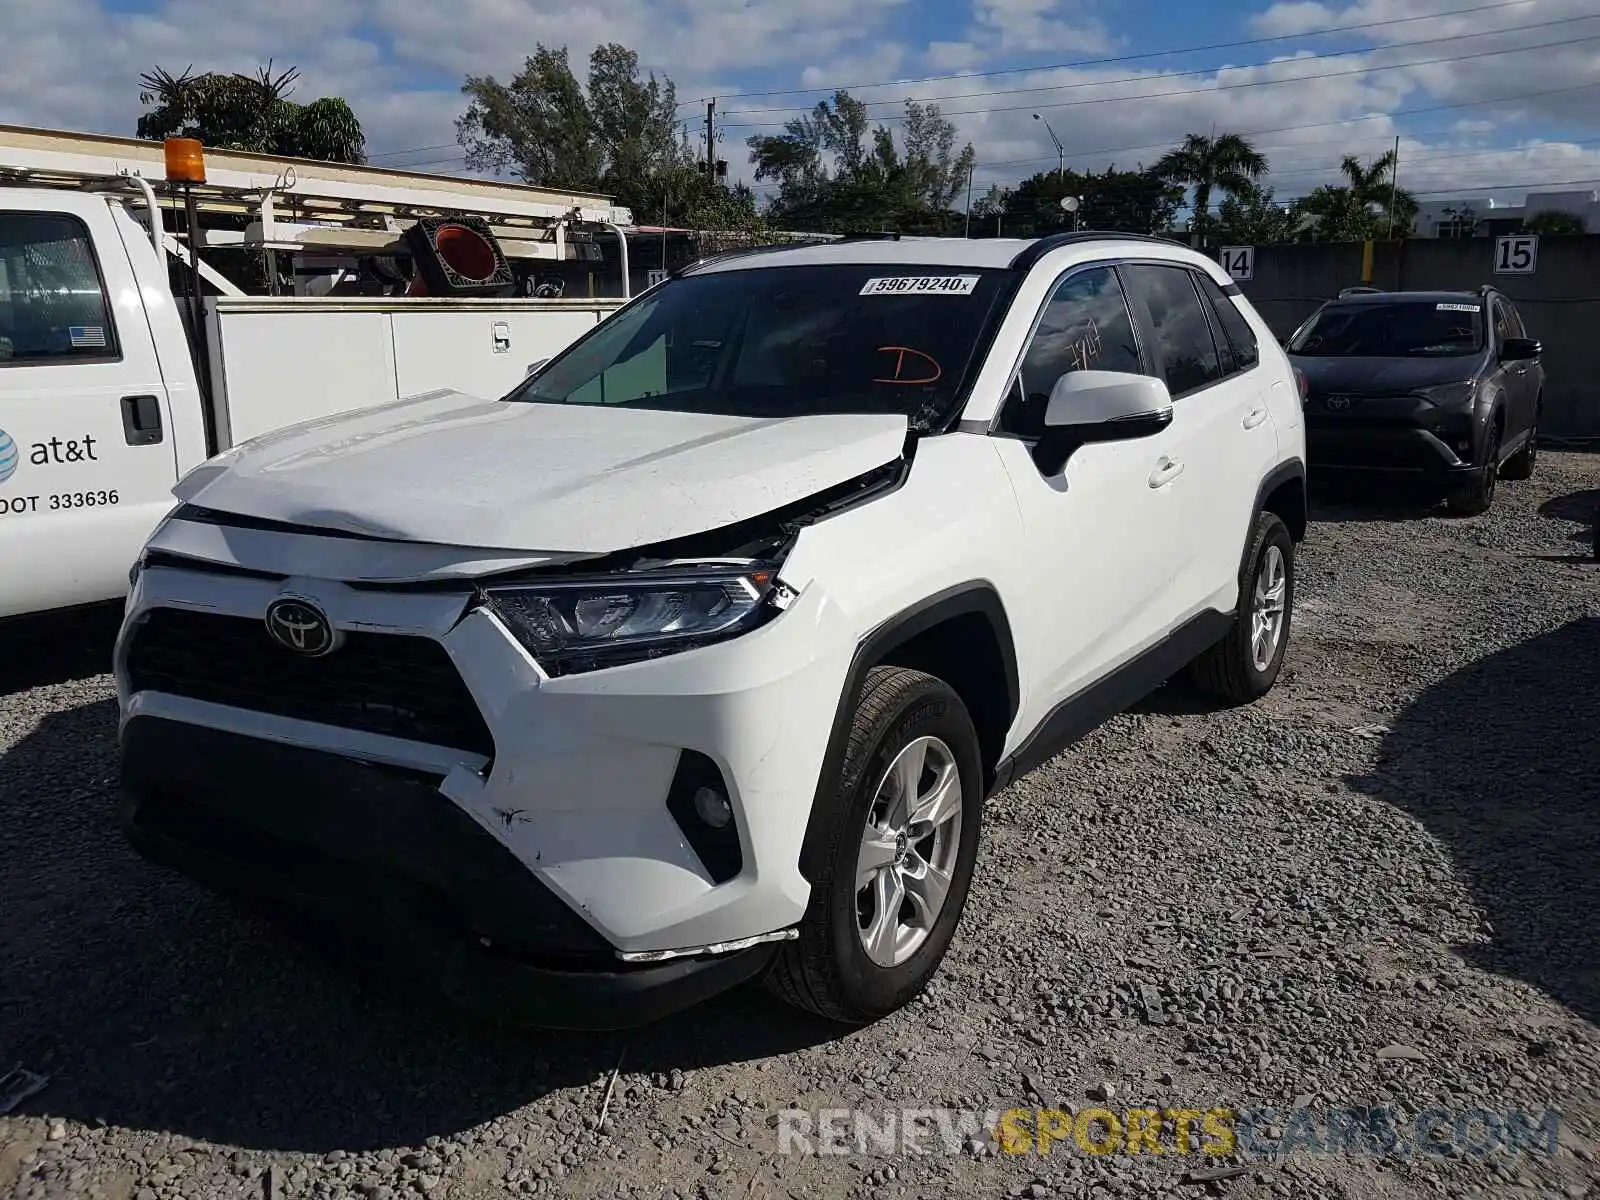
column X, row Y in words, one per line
column 975, row 597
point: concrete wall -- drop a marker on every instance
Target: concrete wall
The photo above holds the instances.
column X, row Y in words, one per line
column 1559, row 302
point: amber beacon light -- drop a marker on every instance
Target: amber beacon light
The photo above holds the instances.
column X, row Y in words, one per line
column 186, row 160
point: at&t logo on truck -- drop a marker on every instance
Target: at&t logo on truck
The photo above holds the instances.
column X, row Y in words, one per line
column 9, row 456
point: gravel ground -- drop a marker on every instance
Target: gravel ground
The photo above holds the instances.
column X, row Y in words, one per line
column 1376, row 887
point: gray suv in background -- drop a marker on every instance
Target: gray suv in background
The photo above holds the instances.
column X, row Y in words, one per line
column 1442, row 388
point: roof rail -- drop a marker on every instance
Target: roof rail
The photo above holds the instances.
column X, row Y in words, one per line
column 1360, row 290
column 1039, row 247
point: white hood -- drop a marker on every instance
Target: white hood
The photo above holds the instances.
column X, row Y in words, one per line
column 451, row 469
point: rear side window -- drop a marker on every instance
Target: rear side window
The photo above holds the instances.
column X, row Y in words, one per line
column 1186, row 356
column 1240, row 339
column 53, row 305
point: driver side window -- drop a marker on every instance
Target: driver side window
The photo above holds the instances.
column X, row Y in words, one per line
column 1085, row 327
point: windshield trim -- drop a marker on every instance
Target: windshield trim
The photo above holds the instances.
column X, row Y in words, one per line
column 1008, row 282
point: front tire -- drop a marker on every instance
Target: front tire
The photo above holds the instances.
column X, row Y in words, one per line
column 1474, row 496
column 902, row 837
column 1244, row 665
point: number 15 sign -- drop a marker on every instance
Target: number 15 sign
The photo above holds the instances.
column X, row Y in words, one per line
column 1516, row 255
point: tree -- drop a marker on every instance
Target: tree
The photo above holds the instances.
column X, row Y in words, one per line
column 1125, row 201
column 1552, row 222
column 619, row 137
column 835, row 173
column 1226, row 163
column 1255, row 217
column 249, row 113
column 1360, row 209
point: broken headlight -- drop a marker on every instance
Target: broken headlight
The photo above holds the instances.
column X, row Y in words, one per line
column 572, row 625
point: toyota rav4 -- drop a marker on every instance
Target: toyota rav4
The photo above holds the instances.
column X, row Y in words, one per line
column 694, row 658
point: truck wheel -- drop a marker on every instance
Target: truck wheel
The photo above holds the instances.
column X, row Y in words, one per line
column 1474, row 495
column 903, row 836
column 1244, row 665
column 1520, row 465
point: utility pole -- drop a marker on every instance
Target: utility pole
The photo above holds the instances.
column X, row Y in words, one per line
column 711, row 141
column 1394, row 185
column 967, row 232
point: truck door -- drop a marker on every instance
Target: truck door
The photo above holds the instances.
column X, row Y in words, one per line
column 86, row 458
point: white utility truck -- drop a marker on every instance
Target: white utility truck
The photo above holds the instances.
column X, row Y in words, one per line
column 112, row 386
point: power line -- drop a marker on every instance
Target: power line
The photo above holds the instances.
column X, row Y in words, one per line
column 1122, row 58
column 1226, row 87
column 1088, row 83
column 1422, row 162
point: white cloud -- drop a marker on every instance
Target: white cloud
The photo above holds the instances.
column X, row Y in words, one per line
column 72, row 64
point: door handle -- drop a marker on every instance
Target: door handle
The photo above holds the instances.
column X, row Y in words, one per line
column 1254, row 417
column 141, row 420
column 1166, row 471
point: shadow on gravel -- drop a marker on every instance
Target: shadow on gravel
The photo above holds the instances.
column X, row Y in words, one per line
column 1348, row 501
column 57, row 647
column 1582, row 508
column 1501, row 762
column 153, row 1005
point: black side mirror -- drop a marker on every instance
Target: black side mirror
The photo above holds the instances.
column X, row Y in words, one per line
column 1515, row 349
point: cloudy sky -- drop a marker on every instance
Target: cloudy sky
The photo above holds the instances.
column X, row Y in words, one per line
column 1487, row 97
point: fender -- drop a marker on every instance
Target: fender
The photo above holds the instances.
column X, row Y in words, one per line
column 1291, row 470
column 974, row 597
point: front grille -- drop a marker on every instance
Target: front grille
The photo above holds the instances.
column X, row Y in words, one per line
column 392, row 684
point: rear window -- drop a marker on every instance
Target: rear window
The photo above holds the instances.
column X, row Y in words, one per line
column 1413, row 329
column 786, row 342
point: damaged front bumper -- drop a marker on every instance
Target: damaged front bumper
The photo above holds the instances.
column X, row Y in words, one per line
column 376, row 858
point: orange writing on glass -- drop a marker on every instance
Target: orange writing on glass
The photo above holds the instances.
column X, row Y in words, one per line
column 931, row 370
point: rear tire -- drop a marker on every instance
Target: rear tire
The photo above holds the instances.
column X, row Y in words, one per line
column 865, row 951
column 1244, row 665
column 1474, row 496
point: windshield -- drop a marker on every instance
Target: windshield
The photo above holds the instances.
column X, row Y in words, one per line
column 1412, row 329
column 785, row 342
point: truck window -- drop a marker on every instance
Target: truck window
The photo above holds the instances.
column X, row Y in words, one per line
column 53, row 305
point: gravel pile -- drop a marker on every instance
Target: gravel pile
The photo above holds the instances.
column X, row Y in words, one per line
column 1376, row 888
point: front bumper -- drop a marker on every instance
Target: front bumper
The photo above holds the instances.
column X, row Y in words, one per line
column 378, row 858
column 572, row 779
column 1421, row 454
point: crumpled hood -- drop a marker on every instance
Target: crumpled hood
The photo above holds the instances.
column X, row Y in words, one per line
column 1376, row 376
column 451, row 469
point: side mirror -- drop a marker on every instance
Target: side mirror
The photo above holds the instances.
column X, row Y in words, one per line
column 1515, row 349
column 1100, row 406
column 534, row 366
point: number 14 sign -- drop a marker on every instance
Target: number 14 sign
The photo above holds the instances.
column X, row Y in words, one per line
column 1516, row 255
column 1239, row 262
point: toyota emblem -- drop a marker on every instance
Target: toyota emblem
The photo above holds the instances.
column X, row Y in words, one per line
column 301, row 626
column 1337, row 403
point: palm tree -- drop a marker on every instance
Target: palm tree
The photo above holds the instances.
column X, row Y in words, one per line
column 1225, row 163
column 1359, row 209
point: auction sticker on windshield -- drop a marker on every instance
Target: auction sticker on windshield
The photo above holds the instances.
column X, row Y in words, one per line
column 1457, row 308
column 921, row 285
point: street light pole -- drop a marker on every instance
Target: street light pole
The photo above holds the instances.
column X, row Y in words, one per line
column 1061, row 152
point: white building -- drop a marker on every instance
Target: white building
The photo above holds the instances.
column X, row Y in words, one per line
column 1481, row 217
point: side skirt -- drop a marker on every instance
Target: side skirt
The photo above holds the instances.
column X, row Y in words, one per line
column 1127, row 685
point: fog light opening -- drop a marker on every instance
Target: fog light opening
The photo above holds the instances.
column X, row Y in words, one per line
column 712, row 807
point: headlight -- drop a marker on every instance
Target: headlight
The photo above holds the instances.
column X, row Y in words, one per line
column 572, row 625
column 1450, row 395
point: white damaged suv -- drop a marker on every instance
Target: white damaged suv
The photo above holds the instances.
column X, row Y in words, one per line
column 695, row 657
